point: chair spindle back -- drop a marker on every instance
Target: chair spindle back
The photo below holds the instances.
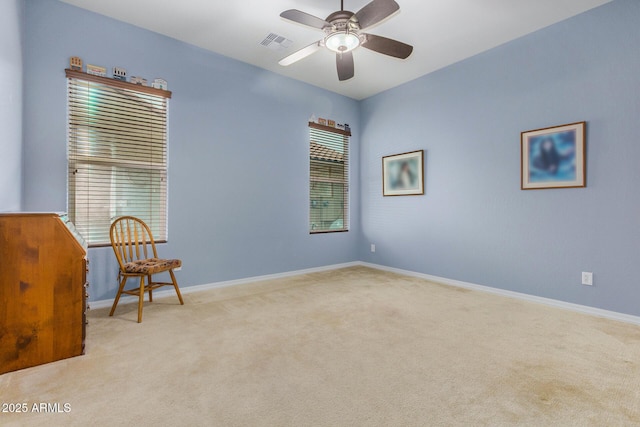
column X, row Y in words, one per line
column 131, row 239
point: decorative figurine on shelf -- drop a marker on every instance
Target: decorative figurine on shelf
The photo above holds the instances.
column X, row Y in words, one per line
column 159, row 84
column 138, row 81
column 346, row 127
column 120, row 74
column 340, row 126
column 75, row 63
column 331, row 123
column 312, row 119
column 96, row 70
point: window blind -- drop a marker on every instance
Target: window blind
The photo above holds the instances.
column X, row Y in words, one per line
column 329, row 179
column 117, row 155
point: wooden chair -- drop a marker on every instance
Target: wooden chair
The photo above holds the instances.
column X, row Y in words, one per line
column 131, row 239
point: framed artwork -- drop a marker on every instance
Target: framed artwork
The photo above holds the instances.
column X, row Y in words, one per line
column 403, row 174
column 553, row 157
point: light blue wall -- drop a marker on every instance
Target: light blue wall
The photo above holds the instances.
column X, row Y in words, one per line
column 474, row 223
column 238, row 148
column 11, row 23
column 238, row 169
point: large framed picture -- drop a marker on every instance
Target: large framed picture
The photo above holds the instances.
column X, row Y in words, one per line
column 403, row 174
column 553, row 157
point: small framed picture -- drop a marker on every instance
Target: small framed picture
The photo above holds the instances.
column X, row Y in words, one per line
column 331, row 123
column 553, row 157
column 403, row 174
column 322, row 121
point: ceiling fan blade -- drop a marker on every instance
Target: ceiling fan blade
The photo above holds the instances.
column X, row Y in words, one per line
column 303, row 18
column 344, row 63
column 300, row 54
column 387, row 46
column 375, row 12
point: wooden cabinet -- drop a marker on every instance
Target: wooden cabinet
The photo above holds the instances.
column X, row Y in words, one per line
column 43, row 270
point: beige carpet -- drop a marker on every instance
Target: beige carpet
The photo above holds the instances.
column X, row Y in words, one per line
column 352, row 347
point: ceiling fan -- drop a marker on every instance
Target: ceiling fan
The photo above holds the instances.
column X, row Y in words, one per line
column 344, row 33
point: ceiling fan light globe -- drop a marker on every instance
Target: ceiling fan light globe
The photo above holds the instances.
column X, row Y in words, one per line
column 342, row 42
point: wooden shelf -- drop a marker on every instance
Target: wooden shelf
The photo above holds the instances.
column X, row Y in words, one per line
column 117, row 83
column 329, row 129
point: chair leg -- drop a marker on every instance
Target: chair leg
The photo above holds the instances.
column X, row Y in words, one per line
column 149, row 281
column 120, row 288
column 175, row 285
column 141, row 299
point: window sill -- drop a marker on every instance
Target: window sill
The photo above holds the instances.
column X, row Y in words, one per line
column 328, row 231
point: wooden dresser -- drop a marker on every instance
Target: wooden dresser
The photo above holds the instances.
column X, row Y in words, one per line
column 43, row 280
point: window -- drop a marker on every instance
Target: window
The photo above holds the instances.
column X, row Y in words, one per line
column 329, row 179
column 117, row 154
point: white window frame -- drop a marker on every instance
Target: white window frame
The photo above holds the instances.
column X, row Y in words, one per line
column 329, row 168
column 117, row 155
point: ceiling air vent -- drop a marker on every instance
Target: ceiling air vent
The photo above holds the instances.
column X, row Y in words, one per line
column 276, row 42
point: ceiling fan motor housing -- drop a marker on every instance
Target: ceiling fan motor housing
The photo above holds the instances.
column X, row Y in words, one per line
column 342, row 36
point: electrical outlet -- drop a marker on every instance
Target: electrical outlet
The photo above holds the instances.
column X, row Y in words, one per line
column 373, row 247
column 587, row 278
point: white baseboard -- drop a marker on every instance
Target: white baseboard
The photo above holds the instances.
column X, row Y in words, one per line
column 126, row 299
column 598, row 312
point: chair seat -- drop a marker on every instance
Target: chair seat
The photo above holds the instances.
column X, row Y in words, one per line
column 151, row 265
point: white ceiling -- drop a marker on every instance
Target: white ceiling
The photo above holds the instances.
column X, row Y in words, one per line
column 441, row 31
